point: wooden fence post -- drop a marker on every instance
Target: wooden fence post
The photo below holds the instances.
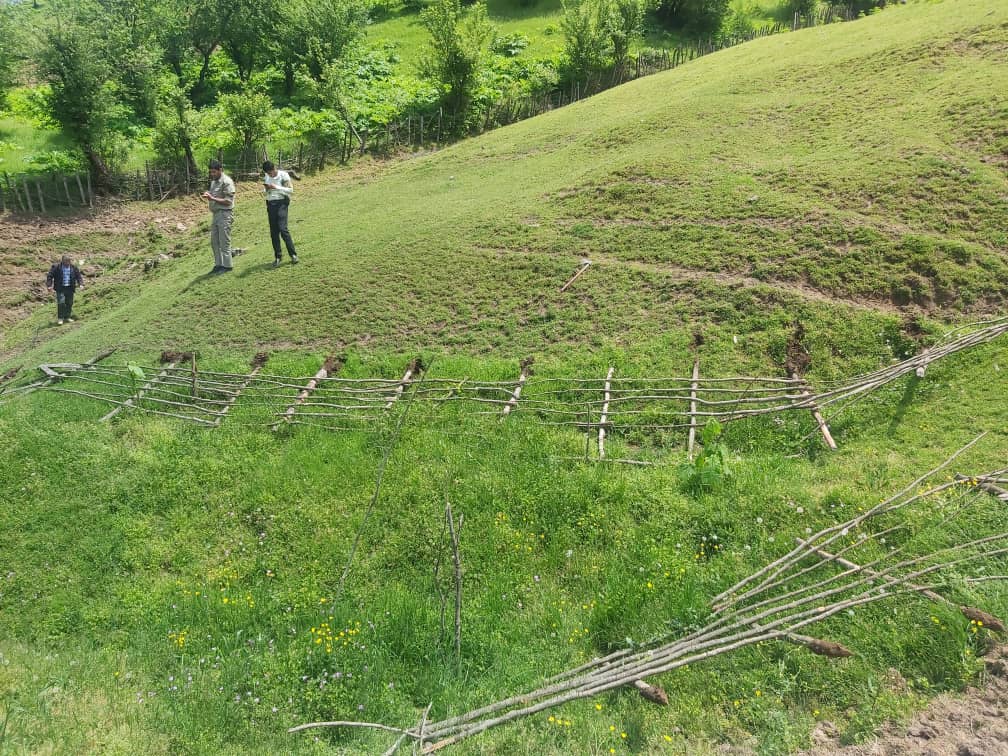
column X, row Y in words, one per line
column 27, row 193
column 693, row 408
column 41, row 199
column 605, row 412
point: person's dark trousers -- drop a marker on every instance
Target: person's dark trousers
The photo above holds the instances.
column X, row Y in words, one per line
column 277, row 211
column 64, row 303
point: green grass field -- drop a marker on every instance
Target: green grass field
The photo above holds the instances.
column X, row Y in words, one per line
column 169, row 589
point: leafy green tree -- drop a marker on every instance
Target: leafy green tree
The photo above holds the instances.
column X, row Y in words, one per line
column 624, row 23
column 175, row 128
column 457, row 52
column 10, row 60
column 247, row 114
column 698, row 16
column 73, row 57
column 586, row 37
column 248, row 37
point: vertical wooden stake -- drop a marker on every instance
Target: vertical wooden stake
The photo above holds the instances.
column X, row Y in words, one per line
column 90, row 192
column 66, row 188
column 41, row 199
column 820, row 420
column 195, row 384
column 525, row 372
column 414, row 367
column 605, row 412
column 457, row 560
column 27, row 194
column 693, row 408
column 80, row 188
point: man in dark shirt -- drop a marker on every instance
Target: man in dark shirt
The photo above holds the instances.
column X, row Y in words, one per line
column 64, row 277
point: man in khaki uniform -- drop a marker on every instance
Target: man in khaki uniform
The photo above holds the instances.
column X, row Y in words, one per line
column 221, row 198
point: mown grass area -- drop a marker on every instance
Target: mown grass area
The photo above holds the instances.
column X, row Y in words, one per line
column 174, row 590
column 734, row 193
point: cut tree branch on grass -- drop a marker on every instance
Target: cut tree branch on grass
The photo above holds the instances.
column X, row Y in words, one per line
column 526, row 370
column 331, row 365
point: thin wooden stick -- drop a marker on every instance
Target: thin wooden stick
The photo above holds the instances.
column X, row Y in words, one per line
column 331, row 365
column 257, row 364
column 585, row 264
column 403, row 383
column 139, row 395
column 513, row 401
column 820, row 421
column 457, row 560
column 605, row 411
column 377, row 490
column 693, row 408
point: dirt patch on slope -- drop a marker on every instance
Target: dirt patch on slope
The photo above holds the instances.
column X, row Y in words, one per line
column 974, row 724
column 101, row 238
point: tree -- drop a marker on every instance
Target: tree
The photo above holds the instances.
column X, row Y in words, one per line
column 703, row 16
column 175, row 126
column 74, row 58
column 456, row 53
column 586, row 38
column 247, row 114
column 247, row 38
column 9, row 46
column 624, row 22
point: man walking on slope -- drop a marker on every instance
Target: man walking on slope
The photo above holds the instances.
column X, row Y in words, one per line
column 221, row 198
column 64, row 277
column 279, row 189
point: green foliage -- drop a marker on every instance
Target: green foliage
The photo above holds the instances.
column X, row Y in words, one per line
column 83, row 96
column 248, row 117
column 321, row 31
column 624, row 23
column 54, row 161
column 697, row 16
column 31, row 104
column 739, row 20
column 456, row 53
column 509, row 45
column 711, row 468
column 586, row 38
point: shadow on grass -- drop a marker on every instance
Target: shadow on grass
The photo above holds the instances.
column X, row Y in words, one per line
column 904, row 404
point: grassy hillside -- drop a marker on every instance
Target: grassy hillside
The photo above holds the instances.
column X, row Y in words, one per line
column 166, row 589
column 748, row 187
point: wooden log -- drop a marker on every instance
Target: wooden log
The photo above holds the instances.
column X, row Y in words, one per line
column 414, row 367
column 526, row 365
column 585, row 264
column 990, row 488
column 330, row 366
column 693, row 408
column 605, row 412
column 80, row 188
column 257, row 365
column 806, row 391
column 130, row 402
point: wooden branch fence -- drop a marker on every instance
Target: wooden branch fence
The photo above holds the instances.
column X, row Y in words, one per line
column 426, row 130
column 605, row 405
column 850, row 564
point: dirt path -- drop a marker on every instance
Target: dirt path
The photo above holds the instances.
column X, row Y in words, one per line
column 973, row 724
